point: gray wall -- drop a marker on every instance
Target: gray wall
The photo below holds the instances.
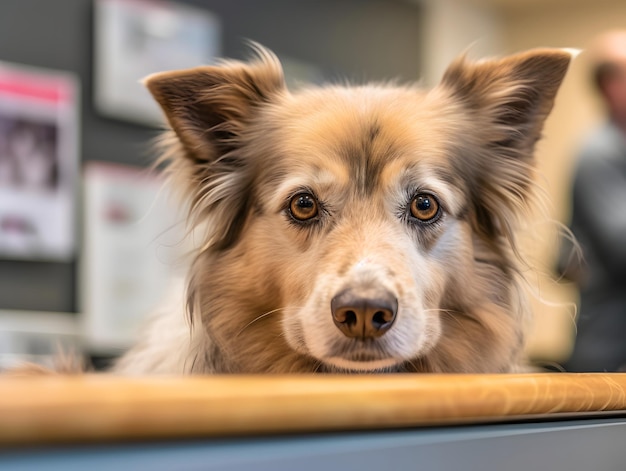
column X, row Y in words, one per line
column 356, row 39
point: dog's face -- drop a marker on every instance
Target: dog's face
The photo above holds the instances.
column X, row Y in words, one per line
column 359, row 228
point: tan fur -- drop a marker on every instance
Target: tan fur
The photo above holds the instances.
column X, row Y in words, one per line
column 258, row 297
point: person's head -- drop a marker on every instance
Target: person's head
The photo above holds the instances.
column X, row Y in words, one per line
column 608, row 56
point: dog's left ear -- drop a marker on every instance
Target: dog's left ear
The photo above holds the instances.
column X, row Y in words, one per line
column 506, row 102
column 515, row 94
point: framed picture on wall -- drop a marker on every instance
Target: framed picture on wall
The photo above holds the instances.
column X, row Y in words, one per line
column 38, row 163
column 135, row 38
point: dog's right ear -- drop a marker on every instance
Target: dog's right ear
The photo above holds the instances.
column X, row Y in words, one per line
column 208, row 107
column 209, row 110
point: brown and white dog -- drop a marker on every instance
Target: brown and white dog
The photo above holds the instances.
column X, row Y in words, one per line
column 351, row 229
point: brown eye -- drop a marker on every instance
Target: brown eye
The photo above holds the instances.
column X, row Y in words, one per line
column 424, row 207
column 303, row 207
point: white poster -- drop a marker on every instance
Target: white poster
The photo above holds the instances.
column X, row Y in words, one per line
column 38, row 163
column 134, row 248
column 135, row 38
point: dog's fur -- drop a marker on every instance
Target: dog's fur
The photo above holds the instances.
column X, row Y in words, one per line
column 259, row 294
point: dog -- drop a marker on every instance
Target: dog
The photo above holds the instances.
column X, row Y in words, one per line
column 350, row 229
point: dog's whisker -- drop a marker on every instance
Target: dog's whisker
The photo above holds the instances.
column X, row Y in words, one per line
column 263, row 316
column 441, row 309
column 258, row 318
column 318, row 366
column 193, row 363
column 449, row 313
column 416, row 364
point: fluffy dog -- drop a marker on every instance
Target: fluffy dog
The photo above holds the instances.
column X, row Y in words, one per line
column 351, row 228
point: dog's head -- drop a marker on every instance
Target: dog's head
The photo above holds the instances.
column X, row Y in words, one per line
column 367, row 228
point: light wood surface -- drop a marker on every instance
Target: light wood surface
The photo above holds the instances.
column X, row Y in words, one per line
column 91, row 408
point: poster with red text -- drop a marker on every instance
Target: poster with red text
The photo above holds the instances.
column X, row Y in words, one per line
column 38, row 163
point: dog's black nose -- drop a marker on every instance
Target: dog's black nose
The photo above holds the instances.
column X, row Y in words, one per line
column 363, row 317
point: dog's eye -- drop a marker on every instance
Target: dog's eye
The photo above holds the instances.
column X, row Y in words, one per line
column 303, row 207
column 424, row 207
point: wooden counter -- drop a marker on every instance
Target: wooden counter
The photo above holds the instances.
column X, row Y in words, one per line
column 99, row 408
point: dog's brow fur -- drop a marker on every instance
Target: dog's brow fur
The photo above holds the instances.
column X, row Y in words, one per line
column 262, row 283
column 365, row 157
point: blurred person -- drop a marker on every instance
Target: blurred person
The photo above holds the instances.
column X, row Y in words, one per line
column 599, row 219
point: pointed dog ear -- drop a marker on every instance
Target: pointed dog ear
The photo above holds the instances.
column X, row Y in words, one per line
column 515, row 94
column 208, row 107
column 209, row 110
column 506, row 103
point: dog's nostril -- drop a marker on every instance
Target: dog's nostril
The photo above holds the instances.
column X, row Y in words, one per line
column 382, row 317
column 360, row 317
column 345, row 316
column 350, row 318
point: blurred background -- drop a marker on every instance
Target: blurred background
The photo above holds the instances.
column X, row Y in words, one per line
column 89, row 240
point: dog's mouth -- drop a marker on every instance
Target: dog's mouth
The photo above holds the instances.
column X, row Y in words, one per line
column 361, row 360
column 349, row 366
